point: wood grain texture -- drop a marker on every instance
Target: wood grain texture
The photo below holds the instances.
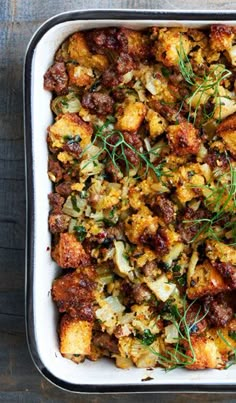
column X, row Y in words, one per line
column 19, row 380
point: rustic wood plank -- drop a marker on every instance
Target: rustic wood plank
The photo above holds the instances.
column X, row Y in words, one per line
column 19, row 380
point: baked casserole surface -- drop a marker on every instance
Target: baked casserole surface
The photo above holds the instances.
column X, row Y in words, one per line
column 142, row 158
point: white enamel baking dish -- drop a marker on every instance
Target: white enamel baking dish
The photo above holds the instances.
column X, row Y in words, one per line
column 41, row 315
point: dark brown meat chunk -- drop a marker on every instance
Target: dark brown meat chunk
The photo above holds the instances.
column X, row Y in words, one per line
column 163, row 207
column 228, row 271
column 169, row 112
column 194, row 313
column 64, row 189
column 132, row 157
column 188, row 230
column 112, row 172
column 125, row 63
column 219, row 312
column 56, row 78
column 141, row 293
column 134, row 140
column 116, row 232
column 215, row 159
column 58, row 223
column 111, row 78
column 106, row 342
column 127, row 293
column 118, row 95
column 107, row 39
column 149, row 269
column 73, row 293
column 97, row 102
column 73, row 147
column 55, row 169
column 56, row 202
column 158, row 242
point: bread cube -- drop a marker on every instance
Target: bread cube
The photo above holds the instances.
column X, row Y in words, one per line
column 205, row 280
column 69, row 253
column 70, row 125
column 75, row 336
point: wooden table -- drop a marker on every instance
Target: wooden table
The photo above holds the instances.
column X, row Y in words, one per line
column 19, row 380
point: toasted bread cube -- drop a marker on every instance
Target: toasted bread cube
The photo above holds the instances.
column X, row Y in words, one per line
column 205, row 280
column 227, row 130
column 156, row 123
column 221, row 37
column 221, row 336
column 136, row 224
column 219, row 251
column 79, row 51
column 79, row 75
column 168, row 45
column 183, row 139
column 206, row 353
column 75, row 336
column 70, row 124
column 69, row 253
column 137, row 42
column 131, row 118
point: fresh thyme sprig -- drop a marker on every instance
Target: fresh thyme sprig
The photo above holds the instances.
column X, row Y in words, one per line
column 103, row 138
column 178, row 357
column 222, row 200
column 206, row 86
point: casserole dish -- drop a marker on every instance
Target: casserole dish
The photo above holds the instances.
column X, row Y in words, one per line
column 41, row 270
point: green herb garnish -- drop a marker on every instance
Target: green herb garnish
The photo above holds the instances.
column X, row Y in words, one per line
column 232, row 334
column 80, row 232
column 117, row 152
column 206, row 86
column 74, row 203
column 147, row 338
column 222, row 200
column 177, row 357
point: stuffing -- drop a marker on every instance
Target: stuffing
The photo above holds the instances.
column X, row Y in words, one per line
column 142, row 211
column 138, row 223
column 221, row 37
column 189, row 182
column 79, row 75
column 226, row 130
column 205, row 280
column 206, row 353
column 219, row 251
column 75, row 336
column 156, row 123
column 131, row 116
column 168, row 45
column 183, row 138
column 137, row 42
column 69, row 252
column 78, row 50
column 69, row 125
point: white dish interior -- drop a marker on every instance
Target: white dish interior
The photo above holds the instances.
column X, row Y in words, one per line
column 102, row 372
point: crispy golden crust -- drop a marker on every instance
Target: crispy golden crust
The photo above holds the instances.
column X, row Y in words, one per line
column 221, row 37
column 206, row 280
column 183, row 139
column 206, row 354
column 227, row 130
column 69, row 253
